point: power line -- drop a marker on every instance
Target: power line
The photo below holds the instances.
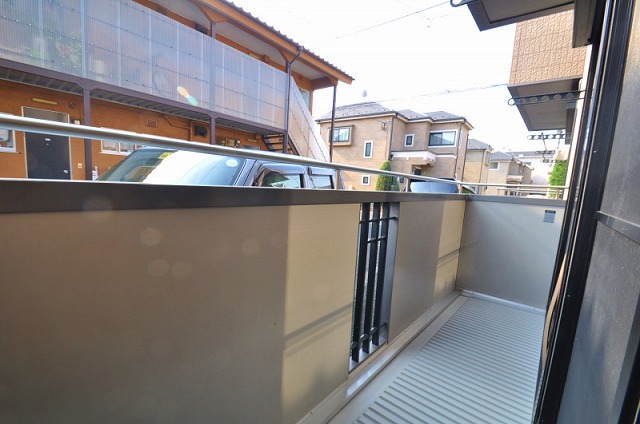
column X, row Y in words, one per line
column 392, row 20
column 445, row 92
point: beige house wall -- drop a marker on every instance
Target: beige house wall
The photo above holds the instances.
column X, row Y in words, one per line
column 362, row 130
column 475, row 166
column 388, row 135
column 497, row 176
column 542, row 50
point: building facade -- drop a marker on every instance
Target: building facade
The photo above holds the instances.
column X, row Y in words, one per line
column 504, row 168
column 547, row 77
column 202, row 71
column 476, row 164
column 368, row 134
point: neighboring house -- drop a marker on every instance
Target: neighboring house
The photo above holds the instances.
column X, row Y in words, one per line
column 198, row 70
column 506, row 169
column 367, row 134
column 476, row 164
column 540, row 160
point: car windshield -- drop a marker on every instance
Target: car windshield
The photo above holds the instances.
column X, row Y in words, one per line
column 157, row 166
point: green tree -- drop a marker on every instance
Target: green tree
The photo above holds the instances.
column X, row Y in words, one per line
column 558, row 173
column 384, row 182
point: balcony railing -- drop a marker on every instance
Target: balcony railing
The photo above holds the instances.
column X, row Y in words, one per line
column 127, row 45
column 140, row 302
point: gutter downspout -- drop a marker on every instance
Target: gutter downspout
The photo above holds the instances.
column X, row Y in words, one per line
column 393, row 121
column 333, row 121
column 285, row 135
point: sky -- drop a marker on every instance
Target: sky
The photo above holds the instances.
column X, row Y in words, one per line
column 408, row 54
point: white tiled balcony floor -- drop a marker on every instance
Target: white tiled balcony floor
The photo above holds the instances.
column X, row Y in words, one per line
column 476, row 363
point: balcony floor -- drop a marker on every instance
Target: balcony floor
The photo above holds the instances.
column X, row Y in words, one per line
column 476, row 362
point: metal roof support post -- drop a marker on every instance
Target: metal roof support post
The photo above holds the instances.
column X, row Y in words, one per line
column 212, row 128
column 287, row 103
column 88, row 153
column 333, row 121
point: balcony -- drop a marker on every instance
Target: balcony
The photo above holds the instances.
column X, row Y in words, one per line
column 126, row 45
column 125, row 302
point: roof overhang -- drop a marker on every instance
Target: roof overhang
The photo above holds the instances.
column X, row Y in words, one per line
column 496, row 13
column 490, row 14
column 238, row 26
column 546, row 105
column 416, row 157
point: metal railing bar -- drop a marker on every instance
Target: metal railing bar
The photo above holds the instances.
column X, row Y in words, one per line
column 361, row 269
column 382, row 254
column 372, row 280
column 19, row 123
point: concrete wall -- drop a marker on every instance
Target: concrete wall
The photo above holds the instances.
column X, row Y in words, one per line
column 508, row 251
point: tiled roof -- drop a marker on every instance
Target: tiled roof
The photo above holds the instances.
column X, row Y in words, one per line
column 442, row 116
column 358, row 109
column 474, row 144
column 410, row 114
column 375, row 108
column 501, row 156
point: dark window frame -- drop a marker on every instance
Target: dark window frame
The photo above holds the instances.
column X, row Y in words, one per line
column 441, row 144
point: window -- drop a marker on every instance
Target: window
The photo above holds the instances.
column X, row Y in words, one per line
column 368, row 149
column 408, row 140
column 443, row 138
column 366, row 179
column 278, row 180
column 493, row 165
column 7, row 140
column 118, row 148
column 320, row 178
column 306, row 96
column 342, row 135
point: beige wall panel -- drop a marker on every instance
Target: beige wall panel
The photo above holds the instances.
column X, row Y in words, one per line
column 416, row 263
column 491, row 262
column 171, row 315
column 321, row 266
column 448, row 252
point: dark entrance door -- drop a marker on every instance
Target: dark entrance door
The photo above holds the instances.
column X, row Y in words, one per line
column 47, row 154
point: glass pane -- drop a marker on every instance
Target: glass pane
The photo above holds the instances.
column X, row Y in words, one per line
column 341, row 135
column 320, row 181
column 282, row 181
column 109, row 146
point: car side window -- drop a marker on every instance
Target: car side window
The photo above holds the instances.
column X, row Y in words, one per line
column 276, row 179
column 320, row 181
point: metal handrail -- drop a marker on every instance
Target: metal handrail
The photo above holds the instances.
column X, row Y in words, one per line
column 19, row 123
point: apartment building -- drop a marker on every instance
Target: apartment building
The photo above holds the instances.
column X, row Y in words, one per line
column 547, row 81
column 368, row 134
column 204, row 71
